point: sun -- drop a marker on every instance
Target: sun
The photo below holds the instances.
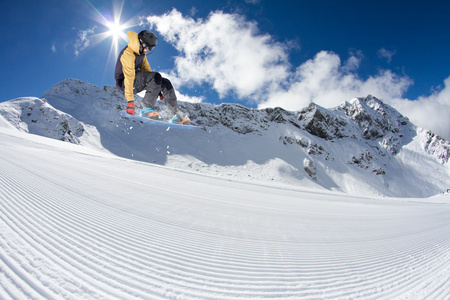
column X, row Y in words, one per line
column 114, row 27
column 115, row 30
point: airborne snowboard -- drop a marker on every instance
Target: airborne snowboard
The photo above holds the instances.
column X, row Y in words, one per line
column 163, row 123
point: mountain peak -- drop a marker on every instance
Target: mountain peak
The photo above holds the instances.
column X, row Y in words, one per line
column 323, row 123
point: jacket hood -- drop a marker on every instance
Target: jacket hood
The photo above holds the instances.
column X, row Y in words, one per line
column 134, row 41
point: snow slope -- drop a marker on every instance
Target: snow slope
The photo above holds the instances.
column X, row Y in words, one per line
column 83, row 223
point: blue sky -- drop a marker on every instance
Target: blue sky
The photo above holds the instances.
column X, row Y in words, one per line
column 258, row 52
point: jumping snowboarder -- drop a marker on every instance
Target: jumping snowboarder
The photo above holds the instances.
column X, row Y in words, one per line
column 134, row 75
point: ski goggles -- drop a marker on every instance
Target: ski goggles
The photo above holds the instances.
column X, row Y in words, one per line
column 148, row 47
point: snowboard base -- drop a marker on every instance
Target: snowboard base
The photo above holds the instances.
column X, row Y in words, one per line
column 163, row 123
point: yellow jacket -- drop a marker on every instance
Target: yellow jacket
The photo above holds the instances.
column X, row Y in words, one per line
column 130, row 62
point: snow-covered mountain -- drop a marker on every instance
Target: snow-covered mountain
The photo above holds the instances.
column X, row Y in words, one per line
column 80, row 222
column 362, row 146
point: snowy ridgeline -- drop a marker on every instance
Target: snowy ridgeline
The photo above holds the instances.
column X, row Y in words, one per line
column 362, row 146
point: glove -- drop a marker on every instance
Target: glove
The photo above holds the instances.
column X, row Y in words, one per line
column 130, row 108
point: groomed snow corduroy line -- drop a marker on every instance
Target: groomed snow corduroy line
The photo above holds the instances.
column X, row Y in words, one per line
column 76, row 223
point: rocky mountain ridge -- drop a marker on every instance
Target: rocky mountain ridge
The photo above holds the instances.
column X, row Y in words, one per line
column 361, row 142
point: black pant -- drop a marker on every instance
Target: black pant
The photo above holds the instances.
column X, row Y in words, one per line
column 154, row 84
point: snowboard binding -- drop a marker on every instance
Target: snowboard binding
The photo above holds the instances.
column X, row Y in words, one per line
column 150, row 113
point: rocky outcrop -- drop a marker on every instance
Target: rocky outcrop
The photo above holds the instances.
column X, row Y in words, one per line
column 35, row 116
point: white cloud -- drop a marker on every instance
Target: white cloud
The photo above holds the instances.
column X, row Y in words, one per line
column 83, row 40
column 53, row 48
column 429, row 112
column 187, row 98
column 325, row 81
column 226, row 51
column 386, row 54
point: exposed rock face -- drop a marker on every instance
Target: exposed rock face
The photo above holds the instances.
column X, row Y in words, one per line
column 239, row 118
column 378, row 121
column 35, row 116
column 434, row 145
column 322, row 123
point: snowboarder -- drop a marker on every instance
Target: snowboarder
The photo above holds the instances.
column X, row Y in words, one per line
column 133, row 75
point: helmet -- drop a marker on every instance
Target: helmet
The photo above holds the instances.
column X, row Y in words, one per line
column 148, row 38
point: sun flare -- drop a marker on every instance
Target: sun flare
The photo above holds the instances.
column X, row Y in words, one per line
column 114, row 27
column 116, row 30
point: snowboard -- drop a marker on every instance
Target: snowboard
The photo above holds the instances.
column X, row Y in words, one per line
column 163, row 123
